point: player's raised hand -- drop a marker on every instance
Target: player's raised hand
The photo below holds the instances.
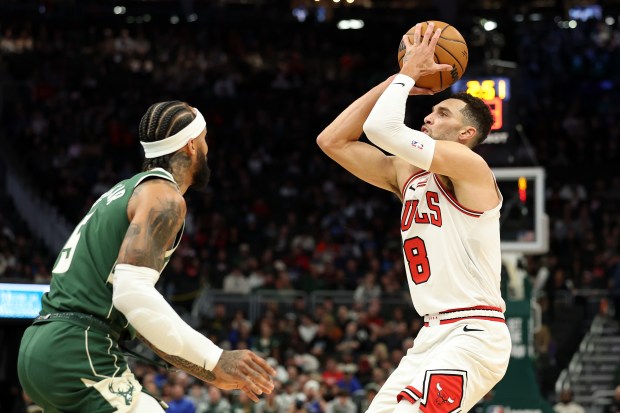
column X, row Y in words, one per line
column 419, row 58
column 414, row 90
column 244, row 370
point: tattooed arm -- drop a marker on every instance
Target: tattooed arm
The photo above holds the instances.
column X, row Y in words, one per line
column 156, row 212
column 237, row 369
column 180, row 363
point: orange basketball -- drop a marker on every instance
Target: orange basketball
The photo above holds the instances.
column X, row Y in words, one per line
column 451, row 49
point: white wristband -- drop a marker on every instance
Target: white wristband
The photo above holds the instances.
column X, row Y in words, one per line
column 385, row 126
column 135, row 296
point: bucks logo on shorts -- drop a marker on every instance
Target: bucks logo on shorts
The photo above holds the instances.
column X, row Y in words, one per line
column 124, row 390
column 118, row 391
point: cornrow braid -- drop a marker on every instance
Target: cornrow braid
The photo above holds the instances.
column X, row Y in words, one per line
column 161, row 120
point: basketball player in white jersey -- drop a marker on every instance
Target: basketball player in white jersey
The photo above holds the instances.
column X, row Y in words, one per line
column 450, row 231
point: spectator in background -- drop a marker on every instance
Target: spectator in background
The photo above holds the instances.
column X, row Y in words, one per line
column 368, row 289
column 349, row 382
column 371, row 390
column 266, row 343
column 566, row 403
column 314, row 402
column 236, row 282
column 332, row 374
column 178, row 401
column 218, row 323
column 299, row 405
column 199, row 396
column 217, row 403
column 286, row 396
column 243, row 404
column 342, row 403
column 614, row 407
column 269, row 404
column 307, row 328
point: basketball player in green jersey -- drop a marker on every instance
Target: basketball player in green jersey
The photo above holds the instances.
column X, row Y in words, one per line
column 103, row 287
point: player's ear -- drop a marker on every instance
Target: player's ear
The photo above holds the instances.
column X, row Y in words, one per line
column 467, row 134
column 191, row 146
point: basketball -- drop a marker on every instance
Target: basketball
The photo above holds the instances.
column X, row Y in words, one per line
column 451, row 49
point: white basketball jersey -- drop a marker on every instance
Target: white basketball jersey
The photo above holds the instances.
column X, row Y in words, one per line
column 452, row 254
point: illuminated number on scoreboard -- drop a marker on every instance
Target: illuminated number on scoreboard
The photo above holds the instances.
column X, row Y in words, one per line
column 493, row 95
column 496, row 109
column 487, row 89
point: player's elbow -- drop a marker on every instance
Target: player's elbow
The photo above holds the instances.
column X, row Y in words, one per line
column 326, row 142
column 122, row 298
column 381, row 131
column 372, row 127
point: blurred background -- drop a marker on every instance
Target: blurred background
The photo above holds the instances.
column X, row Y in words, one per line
column 288, row 254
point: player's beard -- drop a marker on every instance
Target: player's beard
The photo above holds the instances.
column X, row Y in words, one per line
column 201, row 177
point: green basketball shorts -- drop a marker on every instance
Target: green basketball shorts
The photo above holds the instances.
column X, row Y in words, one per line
column 72, row 365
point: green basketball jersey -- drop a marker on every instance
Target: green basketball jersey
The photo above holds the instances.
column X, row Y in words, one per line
column 82, row 274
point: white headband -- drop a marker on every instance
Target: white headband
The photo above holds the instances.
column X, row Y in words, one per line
column 177, row 141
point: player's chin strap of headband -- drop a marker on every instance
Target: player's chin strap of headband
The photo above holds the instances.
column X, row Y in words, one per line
column 177, row 141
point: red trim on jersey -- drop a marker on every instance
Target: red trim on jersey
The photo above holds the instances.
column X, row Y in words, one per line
column 415, row 175
column 411, row 394
column 415, row 391
column 404, row 395
column 478, row 307
column 453, row 320
column 455, row 202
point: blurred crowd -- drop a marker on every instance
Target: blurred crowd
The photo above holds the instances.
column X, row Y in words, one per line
column 279, row 215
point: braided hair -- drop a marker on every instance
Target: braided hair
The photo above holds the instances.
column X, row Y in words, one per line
column 161, row 120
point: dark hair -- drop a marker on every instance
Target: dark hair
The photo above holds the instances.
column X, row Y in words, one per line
column 477, row 114
column 161, row 120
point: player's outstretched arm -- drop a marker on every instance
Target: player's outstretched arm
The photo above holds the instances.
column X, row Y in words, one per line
column 156, row 212
column 237, row 369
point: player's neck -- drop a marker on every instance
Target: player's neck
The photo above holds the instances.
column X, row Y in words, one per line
column 180, row 169
column 183, row 180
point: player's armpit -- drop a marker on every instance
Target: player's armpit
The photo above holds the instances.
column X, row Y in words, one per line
column 156, row 212
column 365, row 161
column 340, row 141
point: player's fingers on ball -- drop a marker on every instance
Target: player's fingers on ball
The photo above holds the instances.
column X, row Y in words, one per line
column 416, row 33
column 435, row 37
column 406, row 41
column 428, row 33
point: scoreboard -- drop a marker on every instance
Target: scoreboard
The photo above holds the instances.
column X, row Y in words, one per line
column 495, row 91
column 503, row 146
